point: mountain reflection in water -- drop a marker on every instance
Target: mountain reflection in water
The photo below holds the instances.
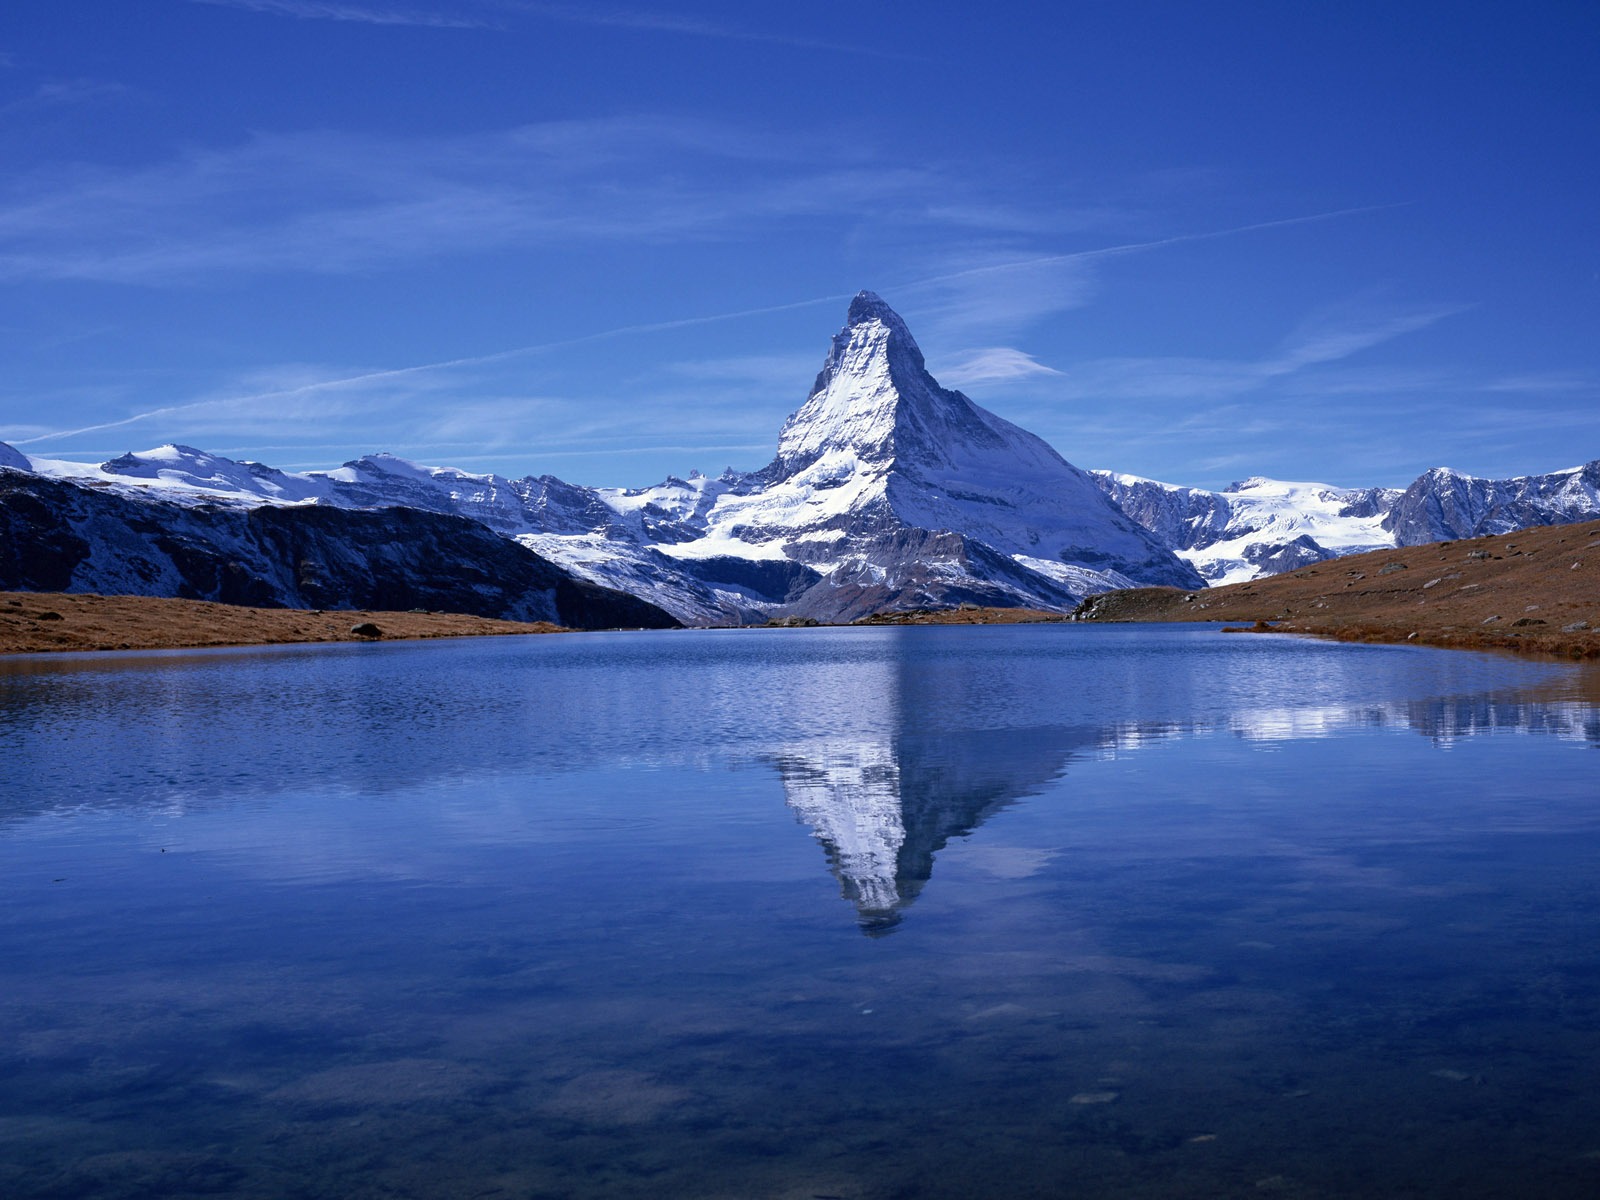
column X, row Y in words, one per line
column 1214, row 916
column 882, row 810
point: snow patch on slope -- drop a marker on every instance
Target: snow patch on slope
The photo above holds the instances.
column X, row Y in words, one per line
column 1257, row 526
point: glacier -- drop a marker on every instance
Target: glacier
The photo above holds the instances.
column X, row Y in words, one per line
column 1262, row 526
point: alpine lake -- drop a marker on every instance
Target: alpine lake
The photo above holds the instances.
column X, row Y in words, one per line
column 809, row 914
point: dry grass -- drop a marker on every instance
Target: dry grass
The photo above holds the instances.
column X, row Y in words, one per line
column 1536, row 591
column 34, row 622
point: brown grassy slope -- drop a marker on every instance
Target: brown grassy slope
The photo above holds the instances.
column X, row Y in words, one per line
column 1537, row 591
column 83, row 622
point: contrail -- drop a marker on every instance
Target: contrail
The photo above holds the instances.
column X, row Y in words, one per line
column 686, row 322
column 1135, row 247
column 399, row 372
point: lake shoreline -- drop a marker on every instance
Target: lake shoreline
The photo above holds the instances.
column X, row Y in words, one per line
column 66, row 622
column 1533, row 592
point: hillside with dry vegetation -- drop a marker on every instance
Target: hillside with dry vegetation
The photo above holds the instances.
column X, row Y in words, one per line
column 32, row 622
column 1536, row 591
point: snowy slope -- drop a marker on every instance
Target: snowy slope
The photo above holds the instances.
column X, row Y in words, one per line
column 1256, row 526
column 13, row 458
column 1264, row 526
column 184, row 475
column 1444, row 505
column 900, row 493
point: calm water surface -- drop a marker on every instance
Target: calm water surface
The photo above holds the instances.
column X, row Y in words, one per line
column 863, row 913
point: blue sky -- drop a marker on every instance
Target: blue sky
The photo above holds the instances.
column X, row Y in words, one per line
column 610, row 242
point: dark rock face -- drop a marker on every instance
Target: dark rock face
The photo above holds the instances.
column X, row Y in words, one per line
column 60, row 537
column 1182, row 518
column 919, row 568
column 777, row 581
column 38, row 551
column 1369, row 502
column 1443, row 505
column 1275, row 559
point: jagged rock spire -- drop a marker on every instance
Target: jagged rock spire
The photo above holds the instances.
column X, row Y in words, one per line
column 872, row 388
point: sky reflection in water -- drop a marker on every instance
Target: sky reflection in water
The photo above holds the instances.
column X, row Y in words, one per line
column 1164, row 910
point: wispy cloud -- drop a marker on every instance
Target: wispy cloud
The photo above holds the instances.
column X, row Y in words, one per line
column 1035, row 261
column 1324, row 340
column 1336, row 335
column 1318, row 341
column 989, row 291
column 60, row 93
column 331, row 203
column 990, row 364
column 657, row 21
column 368, row 14
column 300, row 385
column 964, row 303
column 502, row 14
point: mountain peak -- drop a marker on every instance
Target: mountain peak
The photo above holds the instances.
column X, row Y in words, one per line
column 874, row 372
column 869, row 309
column 869, row 306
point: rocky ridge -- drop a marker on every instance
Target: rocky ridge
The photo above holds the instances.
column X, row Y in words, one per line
column 57, row 537
column 1260, row 527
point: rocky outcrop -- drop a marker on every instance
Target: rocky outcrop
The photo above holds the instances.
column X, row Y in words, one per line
column 1254, row 527
column 1445, row 505
column 55, row 536
column 1264, row 526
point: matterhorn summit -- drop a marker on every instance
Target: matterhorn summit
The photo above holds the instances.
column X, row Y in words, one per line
column 873, row 396
column 901, row 493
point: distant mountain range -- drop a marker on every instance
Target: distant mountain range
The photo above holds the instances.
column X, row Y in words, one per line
column 886, row 491
column 1265, row 526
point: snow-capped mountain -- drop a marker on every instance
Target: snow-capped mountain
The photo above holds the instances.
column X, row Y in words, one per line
column 879, row 450
column 891, row 492
column 1256, row 526
column 1444, row 505
column 1264, row 526
column 55, row 536
column 886, row 491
